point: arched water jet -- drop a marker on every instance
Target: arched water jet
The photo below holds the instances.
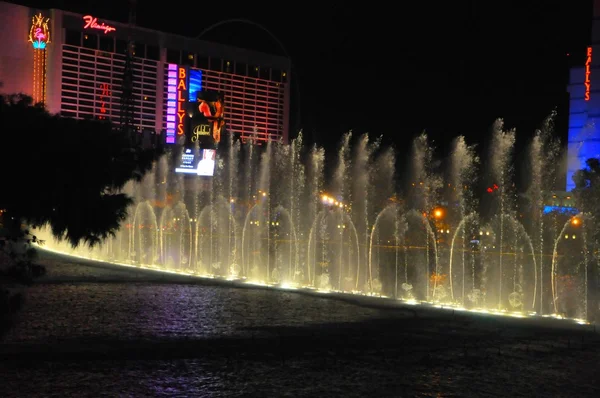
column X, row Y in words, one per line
column 518, row 226
column 390, row 208
column 580, row 217
column 176, row 232
column 255, row 266
column 429, row 235
column 460, row 227
column 288, row 275
column 146, row 229
column 326, row 224
column 508, row 246
column 214, row 247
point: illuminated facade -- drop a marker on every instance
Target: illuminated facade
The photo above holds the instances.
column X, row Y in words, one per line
column 39, row 37
column 584, row 106
column 79, row 72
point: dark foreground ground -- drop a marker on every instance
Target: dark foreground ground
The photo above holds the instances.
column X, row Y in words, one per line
column 394, row 352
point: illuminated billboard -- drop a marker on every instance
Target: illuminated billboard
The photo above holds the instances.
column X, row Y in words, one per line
column 192, row 112
column 177, row 102
column 200, row 163
column 206, row 119
column 195, row 84
column 211, row 106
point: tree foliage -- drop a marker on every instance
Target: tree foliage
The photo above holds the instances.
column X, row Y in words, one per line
column 65, row 172
column 587, row 192
column 587, row 199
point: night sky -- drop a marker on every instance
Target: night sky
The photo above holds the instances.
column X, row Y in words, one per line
column 399, row 68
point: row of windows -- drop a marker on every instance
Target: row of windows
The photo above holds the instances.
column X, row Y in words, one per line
column 109, row 44
column 201, row 61
column 91, row 87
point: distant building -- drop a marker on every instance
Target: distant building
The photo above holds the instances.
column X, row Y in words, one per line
column 74, row 64
column 584, row 104
column 561, row 202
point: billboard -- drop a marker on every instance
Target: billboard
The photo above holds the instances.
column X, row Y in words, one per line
column 208, row 117
column 192, row 113
column 200, row 163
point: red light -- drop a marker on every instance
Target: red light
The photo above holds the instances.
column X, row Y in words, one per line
column 490, row 190
column 105, row 87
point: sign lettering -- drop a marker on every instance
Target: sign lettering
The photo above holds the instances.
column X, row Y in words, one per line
column 588, row 66
column 201, row 129
column 105, row 87
column 92, row 23
column 182, row 95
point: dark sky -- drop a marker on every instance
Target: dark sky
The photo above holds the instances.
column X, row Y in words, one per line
column 398, row 68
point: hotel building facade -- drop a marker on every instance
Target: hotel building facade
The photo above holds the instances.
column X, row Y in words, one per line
column 74, row 64
column 584, row 105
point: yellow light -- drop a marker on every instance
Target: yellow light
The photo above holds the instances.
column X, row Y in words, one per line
column 575, row 221
column 438, row 213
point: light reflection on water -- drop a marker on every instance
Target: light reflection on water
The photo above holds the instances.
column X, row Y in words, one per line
column 89, row 331
column 154, row 311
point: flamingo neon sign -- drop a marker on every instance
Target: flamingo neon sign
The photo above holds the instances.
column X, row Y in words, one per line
column 39, row 34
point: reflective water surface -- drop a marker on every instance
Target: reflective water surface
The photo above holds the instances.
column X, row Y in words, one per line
column 93, row 331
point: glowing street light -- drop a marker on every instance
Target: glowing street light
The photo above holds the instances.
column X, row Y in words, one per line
column 438, row 213
column 575, row 221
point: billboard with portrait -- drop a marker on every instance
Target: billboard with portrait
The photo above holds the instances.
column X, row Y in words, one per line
column 198, row 162
column 208, row 118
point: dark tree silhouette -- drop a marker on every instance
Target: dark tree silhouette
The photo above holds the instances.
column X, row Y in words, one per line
column 587, row 190
column 587, row 199
column 65, row 172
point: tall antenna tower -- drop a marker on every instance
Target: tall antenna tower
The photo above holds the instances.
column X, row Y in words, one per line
column 127, row 103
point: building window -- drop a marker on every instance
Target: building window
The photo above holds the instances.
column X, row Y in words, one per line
column 121, row 46
column 73, row 37
column 173, row 56
column 90, row 41
column 275, row 75
column 153, row 53
column 187, row 58
column 139, row 50
column 216, row 64
column 241, row 69
column 202, row 61
column 265, row 73
column 107, row 44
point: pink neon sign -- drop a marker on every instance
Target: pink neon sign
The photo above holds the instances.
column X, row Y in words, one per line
column 92, row 23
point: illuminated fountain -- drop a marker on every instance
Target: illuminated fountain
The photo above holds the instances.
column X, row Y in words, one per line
column 286, row 216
